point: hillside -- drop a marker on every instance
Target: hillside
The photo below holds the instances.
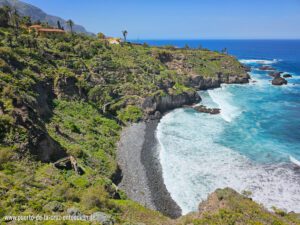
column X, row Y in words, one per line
column 37, row 14
column 63, row 102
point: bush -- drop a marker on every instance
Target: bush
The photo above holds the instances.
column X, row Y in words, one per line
column 130, row 114
column 94, row 197
column 5, row 126
column 5, row 156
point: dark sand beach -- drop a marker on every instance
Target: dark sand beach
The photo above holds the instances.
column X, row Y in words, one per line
column 138, row 159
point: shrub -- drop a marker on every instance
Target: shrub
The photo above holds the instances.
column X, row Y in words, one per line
column 130, row 114
column 5, row 125
column 5, row 156
column 81, row 182
column 94, row 197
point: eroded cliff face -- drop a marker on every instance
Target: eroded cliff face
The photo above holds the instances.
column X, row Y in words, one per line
column 155, row 106
column 226, row 206
column 234, row 73
column 30, row 116
column 203, row 83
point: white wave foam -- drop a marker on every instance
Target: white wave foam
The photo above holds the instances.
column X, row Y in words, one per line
column 224, row 99
column 194, row 165
column 295, row 161
column 258, row 61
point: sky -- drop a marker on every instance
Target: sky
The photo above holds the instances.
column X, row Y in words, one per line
column 182, row 19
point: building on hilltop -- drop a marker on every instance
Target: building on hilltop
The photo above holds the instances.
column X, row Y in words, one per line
column 41, row 31
column 112, row 40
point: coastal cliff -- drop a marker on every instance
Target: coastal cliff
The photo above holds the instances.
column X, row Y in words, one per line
column 63, row 103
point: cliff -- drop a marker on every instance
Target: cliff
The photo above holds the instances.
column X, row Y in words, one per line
column 226, row 206
column 70, row 96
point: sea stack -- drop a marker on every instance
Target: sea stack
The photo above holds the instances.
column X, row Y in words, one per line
column 277, row 81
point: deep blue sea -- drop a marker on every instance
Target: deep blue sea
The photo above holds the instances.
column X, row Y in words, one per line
column 253, row 145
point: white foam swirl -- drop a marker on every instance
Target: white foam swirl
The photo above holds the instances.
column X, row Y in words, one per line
column 258, row 61
column 194, row 165
column 224, row 100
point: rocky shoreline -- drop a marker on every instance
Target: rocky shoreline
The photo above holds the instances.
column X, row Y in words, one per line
column 142, row 178
column 160, row 196
column 138, row 156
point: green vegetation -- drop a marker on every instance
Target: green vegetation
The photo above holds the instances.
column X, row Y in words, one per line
column 130, row 114
column 70, row 95
column 228, row 207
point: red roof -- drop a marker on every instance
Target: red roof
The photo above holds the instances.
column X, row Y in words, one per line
column 51, row 30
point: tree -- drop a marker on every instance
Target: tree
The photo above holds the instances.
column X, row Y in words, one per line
column 26, row 20
column 59, row 25
column 125, row 32
column 4, row 17
column 71, row 24
column 101, row 35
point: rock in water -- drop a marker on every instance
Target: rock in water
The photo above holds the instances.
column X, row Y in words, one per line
column 279, row 81
column 275, row 74
column 204, row 109
column 287, row 76
column 266, row 68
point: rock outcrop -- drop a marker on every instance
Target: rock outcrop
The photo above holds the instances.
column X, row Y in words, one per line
column 203, row 83
column 287, row 75
column 66, row 88
column 204, row 109
column 226, row 206
column 31, row 114
column 154, row 106
column 266, row 68
column 277, row 81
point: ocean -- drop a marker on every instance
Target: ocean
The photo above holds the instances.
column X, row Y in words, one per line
column 253, row 145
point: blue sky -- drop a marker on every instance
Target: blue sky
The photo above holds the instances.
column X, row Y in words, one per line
column 182, row 19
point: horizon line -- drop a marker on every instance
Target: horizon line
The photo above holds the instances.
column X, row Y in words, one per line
column 215, row 39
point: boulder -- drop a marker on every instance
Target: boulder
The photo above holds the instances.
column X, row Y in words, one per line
column 279, row 81
column 102, row 218
column 74, row 212
column 266, row 68
column 287, row 75
column 204, row 109
column 54, row 206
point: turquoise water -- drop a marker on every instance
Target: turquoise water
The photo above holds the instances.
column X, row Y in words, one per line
column 253, row 145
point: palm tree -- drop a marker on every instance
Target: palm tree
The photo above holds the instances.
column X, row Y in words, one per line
column 71, row 24
column 125, row 32
column 58, row 25
column 16, row 19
